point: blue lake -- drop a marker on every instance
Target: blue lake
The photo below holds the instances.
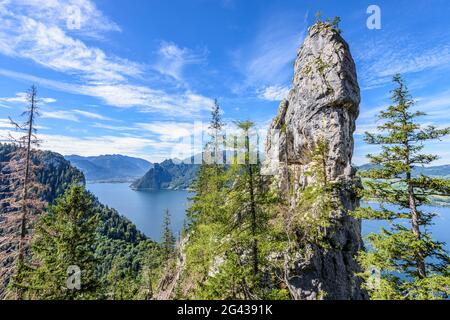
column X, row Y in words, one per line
column 146, row 209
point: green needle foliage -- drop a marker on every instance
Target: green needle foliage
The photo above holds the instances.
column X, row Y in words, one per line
column 168, row 239
column 316, row 201
column 411, row 264
column 305, row 224
column 122, row 280
column 64, row 237
column 227, row 251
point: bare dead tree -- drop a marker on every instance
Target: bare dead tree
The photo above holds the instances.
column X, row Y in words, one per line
column 19, row 198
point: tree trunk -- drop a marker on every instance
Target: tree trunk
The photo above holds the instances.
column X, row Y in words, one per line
column 252, row 206
column 415, row 226
column 23, row 220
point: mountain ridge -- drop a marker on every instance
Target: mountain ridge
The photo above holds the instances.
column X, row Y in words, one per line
column 110, row 168
column 442, row 171
column 167, row 175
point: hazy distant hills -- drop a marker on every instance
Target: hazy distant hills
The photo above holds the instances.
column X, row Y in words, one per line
column 170, row 174
column 110, row 167
column 442, row 171
column 173, row 174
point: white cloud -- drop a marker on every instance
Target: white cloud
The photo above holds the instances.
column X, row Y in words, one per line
column 268, row 59
column 81, row 16
column 436, row 106
column 61, row 115
column 274, row 93
column 150, row 100
column 173, row 59
column 94, row 146
column 380, row 59
column 170, row 131
column 72, row 115
column 6, row 123
column 38, row 38
column 21, row 97
column 91, row 115
column 147, row 99
column 113, row 127
column 52, row 48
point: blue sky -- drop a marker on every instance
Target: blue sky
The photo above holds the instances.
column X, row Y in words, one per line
column 132, row 77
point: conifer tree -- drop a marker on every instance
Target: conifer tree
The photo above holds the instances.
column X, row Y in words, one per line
column 412, row 265
column 19, row 198
column 168, row 239
column 236, row 240
column 123, row 284
column 149, row 274
column 227, row 248
column 65, row 238
column 209, row 184
column 216, row 126
column 251, row 172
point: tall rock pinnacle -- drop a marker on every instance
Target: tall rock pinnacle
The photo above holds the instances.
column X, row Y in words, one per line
column 322, row 104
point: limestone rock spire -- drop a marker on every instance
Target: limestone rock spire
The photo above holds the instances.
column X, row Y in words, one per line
column 322, row 104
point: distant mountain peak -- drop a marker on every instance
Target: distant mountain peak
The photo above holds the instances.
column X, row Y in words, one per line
column 113, row 167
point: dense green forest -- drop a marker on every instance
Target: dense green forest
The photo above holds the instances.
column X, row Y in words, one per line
column 70, row 218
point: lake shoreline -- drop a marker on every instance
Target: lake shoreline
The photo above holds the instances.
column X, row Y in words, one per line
column 145, row 209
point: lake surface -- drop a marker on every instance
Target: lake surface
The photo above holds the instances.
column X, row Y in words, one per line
column 146, row 209
column 440, row 230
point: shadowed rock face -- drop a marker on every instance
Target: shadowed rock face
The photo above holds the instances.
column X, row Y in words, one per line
column 323, row 104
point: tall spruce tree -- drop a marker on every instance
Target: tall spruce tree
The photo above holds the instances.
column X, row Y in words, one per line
column 65, row 239
column 209, row 184
column 216, row 126
column 251, row 175
column 411, row 264
column 168, row 239
column 230, row 240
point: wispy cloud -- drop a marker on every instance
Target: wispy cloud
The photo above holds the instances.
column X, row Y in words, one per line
column 169, row 131
column 50, row 46
column 61, row 115
column 113, row 127
column 21, row 98
column 172, row 59
column 38, row 36
column 82, row 16
column 380, row 59
column 267, row 61
column 92, row 146
column 274, row 93
column 435, row 106
column 91, row 115
column 6, row 123
column 72, row 115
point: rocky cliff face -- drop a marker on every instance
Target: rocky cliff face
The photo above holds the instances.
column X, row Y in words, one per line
column 323, row 104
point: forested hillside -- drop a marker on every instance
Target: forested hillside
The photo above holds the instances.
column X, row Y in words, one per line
column 118, row 245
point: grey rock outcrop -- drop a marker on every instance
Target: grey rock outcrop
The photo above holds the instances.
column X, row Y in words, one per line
column 322, row 104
